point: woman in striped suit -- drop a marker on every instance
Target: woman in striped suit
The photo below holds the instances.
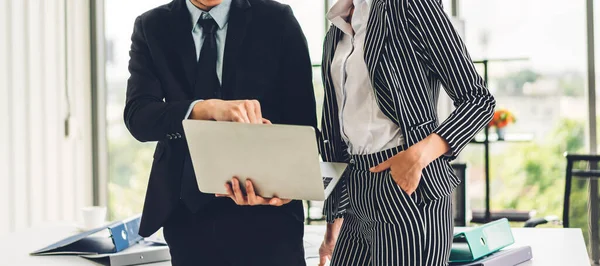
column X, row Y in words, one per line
column 384, row 62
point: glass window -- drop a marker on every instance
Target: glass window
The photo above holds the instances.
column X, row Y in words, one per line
column 447, row 6
column 129, row 160
column 311, row 15
column 536, row 71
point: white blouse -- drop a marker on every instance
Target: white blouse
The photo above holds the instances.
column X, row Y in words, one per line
column 364, row 127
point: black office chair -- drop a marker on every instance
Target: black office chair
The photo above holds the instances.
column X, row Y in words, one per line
column 459, row 196
column 591, row 174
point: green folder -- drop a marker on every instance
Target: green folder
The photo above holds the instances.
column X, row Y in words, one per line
column 481, row 241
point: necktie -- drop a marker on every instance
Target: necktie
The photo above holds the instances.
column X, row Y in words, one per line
column 207, row 87
column 207, row 81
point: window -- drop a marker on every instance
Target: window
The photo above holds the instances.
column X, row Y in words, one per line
column 311, row 15
column 129, row 160
column 544, row 88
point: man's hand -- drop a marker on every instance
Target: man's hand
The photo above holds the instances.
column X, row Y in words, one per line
column 235, row 193
column 407, row 166
column 244, row 111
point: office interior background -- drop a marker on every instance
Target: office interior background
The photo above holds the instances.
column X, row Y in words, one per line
column 63, row 73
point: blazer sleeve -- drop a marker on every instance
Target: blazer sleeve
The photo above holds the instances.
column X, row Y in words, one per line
column 147, row 116
column 445, row 54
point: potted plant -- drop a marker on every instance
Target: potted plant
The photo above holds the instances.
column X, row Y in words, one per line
column 501, row 119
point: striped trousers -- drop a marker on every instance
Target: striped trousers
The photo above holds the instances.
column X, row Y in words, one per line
column 384, row 226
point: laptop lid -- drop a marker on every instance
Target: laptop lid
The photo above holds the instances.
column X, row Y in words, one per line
column 281, row 160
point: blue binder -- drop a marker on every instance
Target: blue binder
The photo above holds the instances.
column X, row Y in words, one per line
column 122, row 234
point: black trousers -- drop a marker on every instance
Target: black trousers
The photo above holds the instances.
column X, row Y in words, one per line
column 225, row 234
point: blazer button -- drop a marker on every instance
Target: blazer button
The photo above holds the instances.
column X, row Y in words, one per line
column 169, row 136
column 178, row 135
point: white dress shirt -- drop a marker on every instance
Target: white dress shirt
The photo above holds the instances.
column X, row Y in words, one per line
column 364, row 127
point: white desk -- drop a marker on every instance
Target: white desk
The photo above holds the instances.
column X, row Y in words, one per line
column 551, row 247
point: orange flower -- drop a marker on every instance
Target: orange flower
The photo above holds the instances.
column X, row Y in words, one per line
column 502, row 118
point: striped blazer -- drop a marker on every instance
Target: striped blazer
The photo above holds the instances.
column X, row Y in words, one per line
column 411, row 50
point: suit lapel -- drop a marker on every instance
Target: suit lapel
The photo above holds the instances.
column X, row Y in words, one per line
column 331, row 40
column 330, row 122
column 183, row 42
column 239, row 18
column 376, row 36
column 375, row 55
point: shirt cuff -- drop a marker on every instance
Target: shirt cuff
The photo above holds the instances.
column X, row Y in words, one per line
column 189, row 112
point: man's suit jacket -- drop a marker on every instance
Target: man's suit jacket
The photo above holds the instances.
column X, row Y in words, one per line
column 266, row 58
column 411, row 48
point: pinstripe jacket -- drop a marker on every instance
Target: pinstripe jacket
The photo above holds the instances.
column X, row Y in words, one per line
column 411, row 49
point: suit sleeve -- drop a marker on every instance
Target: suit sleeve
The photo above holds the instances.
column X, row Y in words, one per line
column 299, row 97
column 147, row 116
column 445, row 54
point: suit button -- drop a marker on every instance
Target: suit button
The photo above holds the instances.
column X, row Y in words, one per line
column 178, row 135
column 169, row 136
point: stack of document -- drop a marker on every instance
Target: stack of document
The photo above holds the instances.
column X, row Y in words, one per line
column 485, row 246
column 505, row 257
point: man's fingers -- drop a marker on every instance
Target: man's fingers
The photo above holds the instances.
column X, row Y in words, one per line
column 257, row 111
column 381, row 167
column 254, row 199
column 266, row 121
column 278, row 201
column 251, row 112
column 230, row 192
column 241, row 114
column 250, row 194
column 275, row 202
column 239, row 196
column 228, row 189
column 237, row 118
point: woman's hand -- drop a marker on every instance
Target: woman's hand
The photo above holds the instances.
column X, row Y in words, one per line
column 325, row 252
column 407, row 166
column 235, row 193
column 331, row 235
column 406, row 169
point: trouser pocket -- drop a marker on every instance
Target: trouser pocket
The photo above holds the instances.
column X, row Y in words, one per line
column 395, row 203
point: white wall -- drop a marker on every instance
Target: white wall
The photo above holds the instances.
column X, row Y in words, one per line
column 45, row 176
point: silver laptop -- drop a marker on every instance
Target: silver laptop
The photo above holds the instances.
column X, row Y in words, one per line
column 281, row 160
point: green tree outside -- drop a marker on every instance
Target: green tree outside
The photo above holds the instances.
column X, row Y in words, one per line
column 532, row 176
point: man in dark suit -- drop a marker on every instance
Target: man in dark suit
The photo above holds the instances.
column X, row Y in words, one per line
column 226, row 60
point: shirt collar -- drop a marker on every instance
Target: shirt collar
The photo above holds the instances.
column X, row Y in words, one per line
column 219, row 13
column 340, row 11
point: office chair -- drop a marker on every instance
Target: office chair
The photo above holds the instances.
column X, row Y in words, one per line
column 590, row 174
column 459, row 196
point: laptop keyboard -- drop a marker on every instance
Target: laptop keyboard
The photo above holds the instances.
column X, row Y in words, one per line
column 326, row 181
